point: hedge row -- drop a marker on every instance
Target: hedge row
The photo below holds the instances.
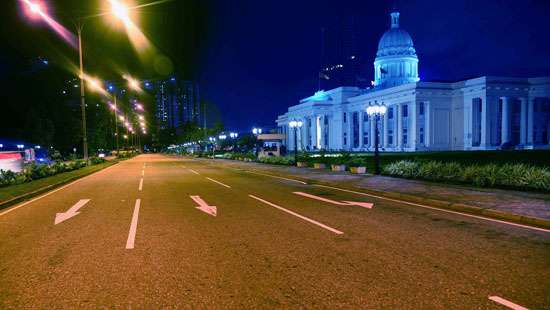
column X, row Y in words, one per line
column 36, row 171
column 517, row 176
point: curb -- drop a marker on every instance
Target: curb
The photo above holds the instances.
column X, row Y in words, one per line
column 18, row 199
column 440, row 204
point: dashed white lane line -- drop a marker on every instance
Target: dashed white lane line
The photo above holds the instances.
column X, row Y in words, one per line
column 507, row 303
column 133, row 226
column 142, row 172
column 218, row 182
column 298, row 215
column 273, row 176
column 195, row 172
column 437, row 209
column 53, row 191
column 140, row 184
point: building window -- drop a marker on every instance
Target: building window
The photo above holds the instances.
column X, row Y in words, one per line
column 405, row 110
column 421, row 133
column 421, row 108
column 390, row 113
column 345, row 118
column 366, row 138
column 390, row 137
column 365, row 117
column 345, row 138
column 404, row 136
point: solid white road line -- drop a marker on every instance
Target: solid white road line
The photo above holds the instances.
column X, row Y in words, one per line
column 507, row 303
column 298, row 215
column 133, row 226
column 53, row 191
column 195, row 172
column 140, row 184
column 272, row 176
column 218, row 182
column 437, row 209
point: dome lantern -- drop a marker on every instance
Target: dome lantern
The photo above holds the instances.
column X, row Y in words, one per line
column 396, row 61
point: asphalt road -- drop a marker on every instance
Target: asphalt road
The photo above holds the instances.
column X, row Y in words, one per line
column 267, row 247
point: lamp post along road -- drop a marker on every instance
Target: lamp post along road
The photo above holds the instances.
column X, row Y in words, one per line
column 375, row 112
column 82, row 95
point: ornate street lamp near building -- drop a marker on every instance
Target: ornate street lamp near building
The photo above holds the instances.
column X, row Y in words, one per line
column 295, row 125
column 375, row 112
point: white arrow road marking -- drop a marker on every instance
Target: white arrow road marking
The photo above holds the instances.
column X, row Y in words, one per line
column 140, row 184
column 133, row 226
column 507, row 303
column 298, row 215
column 367, row 205
column 204, row 207
column 61, row 217
column 195, row 172
column 218, row 182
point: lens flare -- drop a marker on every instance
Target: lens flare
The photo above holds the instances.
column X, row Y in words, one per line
column 37, row 9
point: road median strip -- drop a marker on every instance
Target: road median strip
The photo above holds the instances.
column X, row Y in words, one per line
column 49, row 189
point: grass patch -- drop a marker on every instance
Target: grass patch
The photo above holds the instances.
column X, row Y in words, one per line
column 12, row 191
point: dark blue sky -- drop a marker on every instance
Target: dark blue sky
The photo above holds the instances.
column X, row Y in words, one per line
column 264, row 56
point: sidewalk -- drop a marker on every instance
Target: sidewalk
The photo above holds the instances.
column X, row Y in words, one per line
column 528, row 204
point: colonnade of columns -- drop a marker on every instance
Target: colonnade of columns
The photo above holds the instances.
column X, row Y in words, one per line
column 526, row 120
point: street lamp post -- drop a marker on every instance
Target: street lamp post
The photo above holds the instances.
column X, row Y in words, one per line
column 376, row 111
column 82, row 95
column 295, row 125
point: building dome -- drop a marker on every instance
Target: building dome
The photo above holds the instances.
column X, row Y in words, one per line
column 396, row 62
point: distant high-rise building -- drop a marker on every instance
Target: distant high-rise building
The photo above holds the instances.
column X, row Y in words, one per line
column 177, row 102
column 340, row 61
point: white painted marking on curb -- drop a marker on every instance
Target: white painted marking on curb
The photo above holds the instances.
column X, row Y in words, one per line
column 298, row 215
column 53, row 191
column 140, row 184
column 133, row 226
column 437, row 209
column 220, row 183
column 195, row 172
column 507, row 303
column 273, row 176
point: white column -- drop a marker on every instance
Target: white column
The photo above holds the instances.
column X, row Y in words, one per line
column 385, row 141
column 413, row 121
column 399, row 131
column 530, row 121
column 505, row 128
column 360, row 128
column 427, row 124
column 485, row 134
column 523, row 122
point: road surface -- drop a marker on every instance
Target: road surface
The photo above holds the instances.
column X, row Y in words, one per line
column 158, row 231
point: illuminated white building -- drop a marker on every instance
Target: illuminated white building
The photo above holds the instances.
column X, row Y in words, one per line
column 476, row 114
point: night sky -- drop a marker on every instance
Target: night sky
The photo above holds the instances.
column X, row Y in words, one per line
column 256, row 58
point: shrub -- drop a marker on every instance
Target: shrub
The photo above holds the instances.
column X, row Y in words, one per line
column 287, row 160
column 518, row 176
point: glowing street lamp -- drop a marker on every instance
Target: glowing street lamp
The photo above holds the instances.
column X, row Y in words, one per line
column 257, row 131
column 295, row 125
column 376, row 111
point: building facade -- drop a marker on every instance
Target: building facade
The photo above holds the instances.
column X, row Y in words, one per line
column 177, row 102
column 483, row 113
